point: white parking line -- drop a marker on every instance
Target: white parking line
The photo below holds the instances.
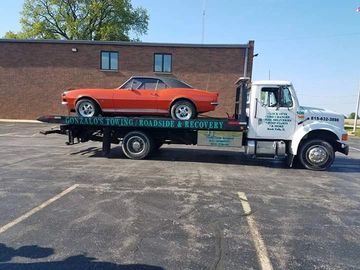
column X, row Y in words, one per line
column 17, row 135
column 20, row 121
column 354, row 148
column 37, row 209
column 261, row 252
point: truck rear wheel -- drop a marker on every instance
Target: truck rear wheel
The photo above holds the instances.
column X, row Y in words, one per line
column 137, row 145
column 316, row 155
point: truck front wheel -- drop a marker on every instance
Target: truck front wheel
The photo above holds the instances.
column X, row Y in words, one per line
column 137, row 145
column 316, row 155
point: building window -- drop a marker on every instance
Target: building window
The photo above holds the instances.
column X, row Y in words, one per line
column 109, row 61
column 163, row 62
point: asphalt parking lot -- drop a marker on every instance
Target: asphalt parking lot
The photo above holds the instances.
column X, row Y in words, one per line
column 67, row 207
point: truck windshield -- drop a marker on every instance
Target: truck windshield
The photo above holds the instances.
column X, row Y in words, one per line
column 286, row 99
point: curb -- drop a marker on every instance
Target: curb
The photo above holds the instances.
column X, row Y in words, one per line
column 20, row 121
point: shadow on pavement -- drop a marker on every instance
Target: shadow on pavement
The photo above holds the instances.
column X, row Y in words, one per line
column 74, row 262
column 345, row 165
column 191, row 155
column 342, row 164
column 33, row 252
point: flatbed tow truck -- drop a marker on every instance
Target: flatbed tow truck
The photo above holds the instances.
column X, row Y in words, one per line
column 268, row 122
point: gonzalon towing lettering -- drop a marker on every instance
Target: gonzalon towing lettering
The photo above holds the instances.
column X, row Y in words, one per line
column 198, row 124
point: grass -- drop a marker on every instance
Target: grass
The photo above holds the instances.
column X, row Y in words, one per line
column 349, row 129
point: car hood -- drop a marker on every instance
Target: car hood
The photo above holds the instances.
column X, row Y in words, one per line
column 320, row 115
column 86, row 91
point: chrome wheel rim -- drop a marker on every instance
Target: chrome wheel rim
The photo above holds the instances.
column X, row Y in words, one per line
column 183, row 112
column 317, row 155
column 136, row 145
column 86, row 109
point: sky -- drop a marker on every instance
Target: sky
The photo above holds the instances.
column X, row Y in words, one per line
column 313, row 43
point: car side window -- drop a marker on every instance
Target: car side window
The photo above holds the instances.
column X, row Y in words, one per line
column 144, row 83
column 161, row 85
column 148, row 84
column 132, row 84
column 128, row 85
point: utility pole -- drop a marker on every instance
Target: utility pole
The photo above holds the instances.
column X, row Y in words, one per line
column 203, row 23
column 357, row 111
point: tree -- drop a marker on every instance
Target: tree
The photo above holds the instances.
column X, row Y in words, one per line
column 352, row 116
column 82, row 20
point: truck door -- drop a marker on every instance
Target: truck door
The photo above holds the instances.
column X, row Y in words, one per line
column 274, row 114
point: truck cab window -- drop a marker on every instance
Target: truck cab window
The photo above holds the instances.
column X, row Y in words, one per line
column 269, row 97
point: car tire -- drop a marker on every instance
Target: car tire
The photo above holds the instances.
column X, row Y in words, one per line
column 183, row 110
column 316, row 155
column 137, row 145
column 87, row 108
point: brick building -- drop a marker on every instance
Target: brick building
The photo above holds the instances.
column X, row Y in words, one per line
column 34, row 73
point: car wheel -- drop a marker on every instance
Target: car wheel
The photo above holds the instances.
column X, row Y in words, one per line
column 137, row 145
column 86, row 108
column 183, row 110
column 316, row 155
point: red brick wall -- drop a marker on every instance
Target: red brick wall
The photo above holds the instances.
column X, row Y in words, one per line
column 33, row 75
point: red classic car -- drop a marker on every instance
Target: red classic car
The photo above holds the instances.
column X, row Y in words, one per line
column 143, row 96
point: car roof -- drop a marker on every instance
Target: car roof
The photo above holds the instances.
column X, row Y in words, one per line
column 169, row 81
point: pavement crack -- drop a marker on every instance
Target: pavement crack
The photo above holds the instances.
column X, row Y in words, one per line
column 186, row 214
column 137, row 246
column 219, row 243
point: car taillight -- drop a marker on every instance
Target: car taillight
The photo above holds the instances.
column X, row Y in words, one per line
column 344, row 137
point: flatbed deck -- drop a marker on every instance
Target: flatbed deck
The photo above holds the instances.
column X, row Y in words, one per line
column 212, row 124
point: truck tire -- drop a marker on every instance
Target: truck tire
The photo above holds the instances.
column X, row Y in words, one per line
column 86, row 108
column 137, row 145
column 317, row 155
column 183, row 110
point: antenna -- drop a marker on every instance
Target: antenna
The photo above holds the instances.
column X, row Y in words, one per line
column 203, row 22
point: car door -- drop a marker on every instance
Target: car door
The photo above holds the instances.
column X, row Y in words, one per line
column 137, row 96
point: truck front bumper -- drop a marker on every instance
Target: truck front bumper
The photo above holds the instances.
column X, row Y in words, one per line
column 342, row 148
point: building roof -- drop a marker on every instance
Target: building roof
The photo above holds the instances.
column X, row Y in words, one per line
column 126, row 43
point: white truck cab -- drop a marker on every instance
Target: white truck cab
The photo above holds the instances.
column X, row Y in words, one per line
column 278, row 125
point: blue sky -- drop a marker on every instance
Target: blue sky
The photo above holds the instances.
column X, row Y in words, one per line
column 315, row 44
